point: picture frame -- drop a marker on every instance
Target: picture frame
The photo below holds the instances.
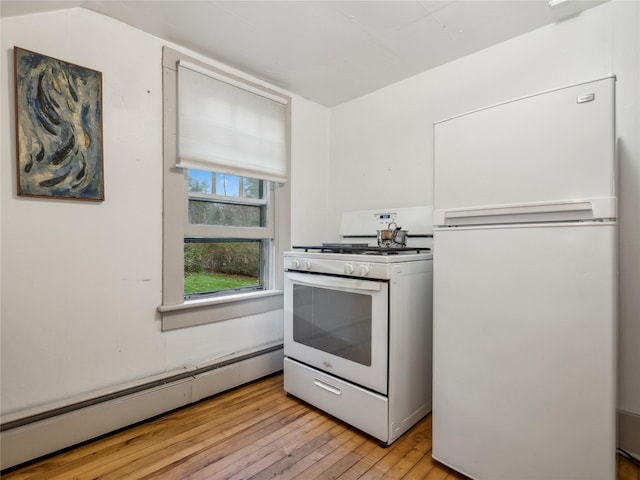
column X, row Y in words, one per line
column 59, row 142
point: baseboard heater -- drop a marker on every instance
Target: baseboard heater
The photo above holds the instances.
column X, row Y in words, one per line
column 33, row 436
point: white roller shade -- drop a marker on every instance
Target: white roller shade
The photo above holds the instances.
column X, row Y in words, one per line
column 227, row 127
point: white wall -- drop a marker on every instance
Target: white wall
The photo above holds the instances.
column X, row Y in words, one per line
column 310, row 174
column 81, row 281
column 382, row 143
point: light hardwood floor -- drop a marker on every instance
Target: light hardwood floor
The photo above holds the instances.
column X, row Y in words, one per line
column 252, row 432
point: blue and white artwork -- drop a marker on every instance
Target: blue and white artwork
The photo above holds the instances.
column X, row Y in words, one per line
column 59, row 128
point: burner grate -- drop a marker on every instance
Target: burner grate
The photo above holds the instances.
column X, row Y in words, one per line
column 360, row 248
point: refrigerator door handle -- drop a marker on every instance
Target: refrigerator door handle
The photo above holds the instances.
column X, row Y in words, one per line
column 578, row 207
column 570, row 210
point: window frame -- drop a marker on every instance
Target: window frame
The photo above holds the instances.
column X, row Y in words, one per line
column 175, row 311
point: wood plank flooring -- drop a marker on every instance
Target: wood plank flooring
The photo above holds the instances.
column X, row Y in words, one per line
column 252, row 432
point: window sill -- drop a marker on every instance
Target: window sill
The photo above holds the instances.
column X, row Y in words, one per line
column 210, row 310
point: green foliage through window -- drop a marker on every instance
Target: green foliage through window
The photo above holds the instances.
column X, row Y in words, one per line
column 213, row 267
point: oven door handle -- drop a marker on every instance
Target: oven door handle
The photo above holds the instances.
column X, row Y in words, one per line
column 334, row 282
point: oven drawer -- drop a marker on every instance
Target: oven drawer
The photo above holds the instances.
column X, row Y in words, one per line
column 356, row 406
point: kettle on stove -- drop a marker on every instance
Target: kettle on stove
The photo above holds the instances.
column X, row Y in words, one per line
column 392, row 237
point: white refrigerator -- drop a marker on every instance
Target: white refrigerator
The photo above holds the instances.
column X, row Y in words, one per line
column 525, row 287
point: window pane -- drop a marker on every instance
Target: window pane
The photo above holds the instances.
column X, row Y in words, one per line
column 204, row 212
column 218, row 267
column 252, row 188
column 200, row 182
column 227, row 185
column 224, row 185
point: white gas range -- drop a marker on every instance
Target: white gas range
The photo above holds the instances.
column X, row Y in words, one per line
column 358, row 330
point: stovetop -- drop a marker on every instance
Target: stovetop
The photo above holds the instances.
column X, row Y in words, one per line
column 360, row 248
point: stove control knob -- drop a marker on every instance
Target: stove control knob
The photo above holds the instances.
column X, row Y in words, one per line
column 348, row 268
column 306, row 265
column 295, row 263
column 363, row 270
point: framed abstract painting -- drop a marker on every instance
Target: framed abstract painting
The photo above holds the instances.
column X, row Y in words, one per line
column 59, row 128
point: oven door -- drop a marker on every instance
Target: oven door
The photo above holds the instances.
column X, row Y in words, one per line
column 338, row 325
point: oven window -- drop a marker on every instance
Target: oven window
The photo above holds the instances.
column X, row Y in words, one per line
column 333, row 321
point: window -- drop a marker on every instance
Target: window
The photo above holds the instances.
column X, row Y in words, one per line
column 225, row 165
column 218, row 265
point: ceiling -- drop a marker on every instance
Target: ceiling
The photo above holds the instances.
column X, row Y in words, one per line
column 328, row 51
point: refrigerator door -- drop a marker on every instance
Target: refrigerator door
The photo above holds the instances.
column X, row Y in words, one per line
column 524, row 357
column 548, row 156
